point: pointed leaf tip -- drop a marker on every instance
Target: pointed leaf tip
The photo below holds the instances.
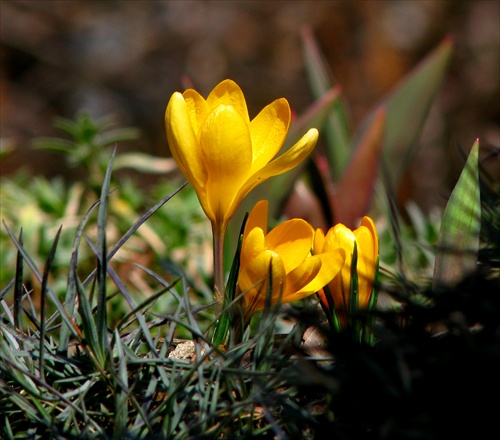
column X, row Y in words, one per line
column 458, row 243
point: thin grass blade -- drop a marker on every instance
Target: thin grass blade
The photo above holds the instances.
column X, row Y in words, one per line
column 71, row 294
column 18, row 287
column 43, row 295
column 34, row 268
column 121, row 391
column 101, row 317
column 88, row 324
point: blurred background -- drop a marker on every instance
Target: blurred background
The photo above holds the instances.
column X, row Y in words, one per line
column 126, row 58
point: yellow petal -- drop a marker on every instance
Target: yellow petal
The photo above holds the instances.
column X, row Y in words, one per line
column 197, row 107
column 280, row 165
column 257, row 217
column 319, row 241
column 252, row 246
column 331, row 265
column 366, row 241
column 229, row 93
column 227, row 156
column 300, row 277
column 268, row 131
column 253, row 279
column 182, row 141
column 367, row 222
column 340, row 236
column 292, row 240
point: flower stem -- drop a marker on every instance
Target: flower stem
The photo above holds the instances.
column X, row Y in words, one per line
column 219, row 233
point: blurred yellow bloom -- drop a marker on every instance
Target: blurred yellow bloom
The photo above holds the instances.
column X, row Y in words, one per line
column 285, row 254
column 222, row 152
column 366, row 240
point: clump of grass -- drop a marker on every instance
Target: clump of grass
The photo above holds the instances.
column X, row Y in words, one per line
column 73, row 375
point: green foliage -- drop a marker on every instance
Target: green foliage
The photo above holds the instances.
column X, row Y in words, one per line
column 390, row 144
column 458, row 244
column 39, row 206
column 89, row 143
column 75, row 374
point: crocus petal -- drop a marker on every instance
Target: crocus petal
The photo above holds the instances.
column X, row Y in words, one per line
column 280, row 165
column 339, row 236
column 227, row 155
column 331, row 265
column 198, row 108
column 366, row 242
column 257, row 217
column 253, row 245
column 300, row 277
column 229, row 93
column 253, row 280
column 319, row 241
column 268, row 131
column 341, row 292
column 292, row 240
column 183, row 142
column 367, row 222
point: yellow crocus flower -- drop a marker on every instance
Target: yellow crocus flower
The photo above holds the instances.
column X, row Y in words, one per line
column 285, row 254
column 366, row 239
column 223, row 153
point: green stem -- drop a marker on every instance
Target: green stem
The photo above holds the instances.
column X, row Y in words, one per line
column 219, row 233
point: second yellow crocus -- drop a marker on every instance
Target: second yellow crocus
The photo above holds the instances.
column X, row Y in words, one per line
column 366, row 240
column 278, row 265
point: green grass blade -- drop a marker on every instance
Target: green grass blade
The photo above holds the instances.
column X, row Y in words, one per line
column 120, row 390
column 69, row 301
column 6, row 289
column 18, row 287
column 88, row 324
column 6, row 316
column 34, row 268
column 43, row 295
column 458, row 242
column 101, row 318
